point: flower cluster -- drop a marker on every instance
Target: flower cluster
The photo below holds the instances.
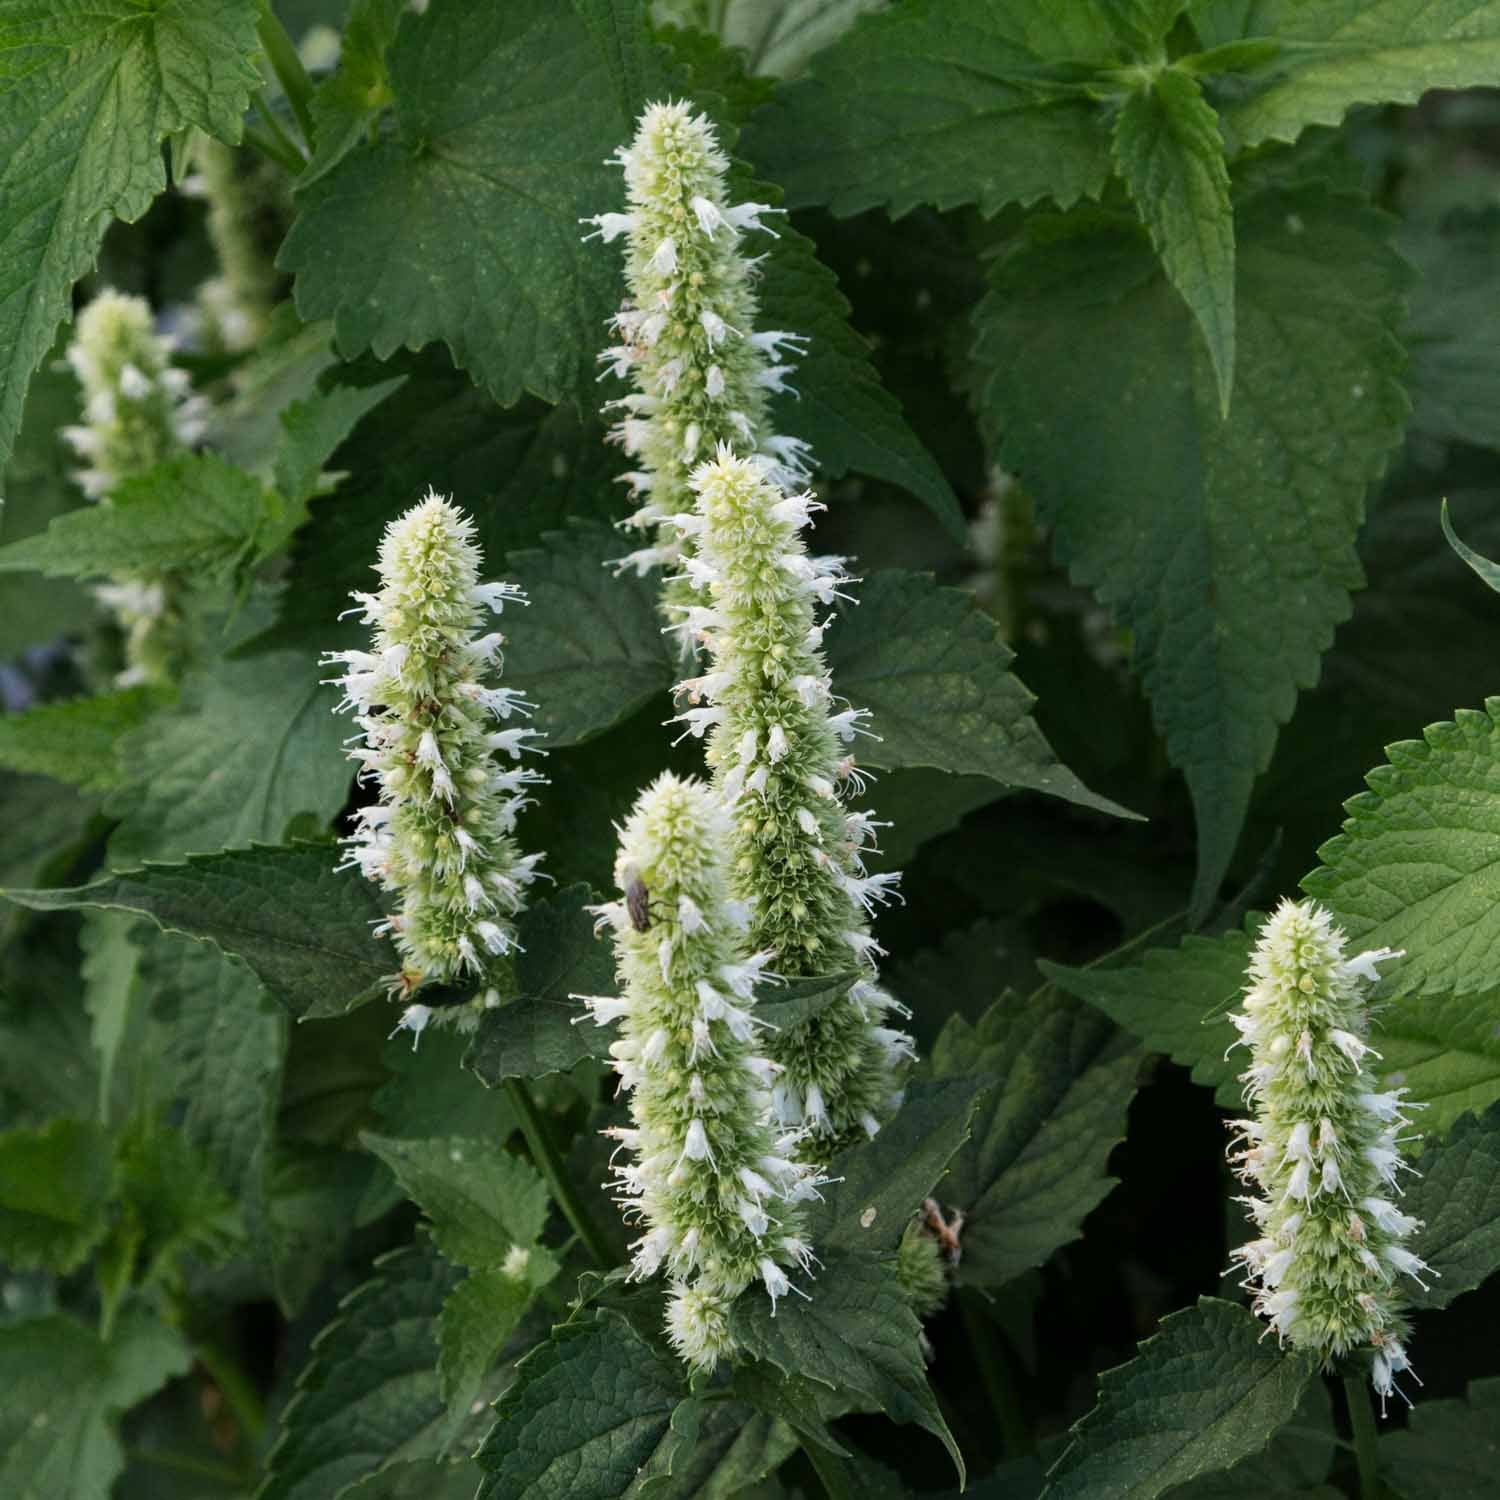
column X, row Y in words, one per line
column 779, row 749
column 714, row 1186
column 1323, row 1149
column 685, row 332
column 441, row 834
column 248, row 208
column 138, row 410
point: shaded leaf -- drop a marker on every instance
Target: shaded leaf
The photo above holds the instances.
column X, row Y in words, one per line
column 1061, row 1081
column 55, row 1183
column 1450, row 1449
column 75, row 741
column 1201, row 1394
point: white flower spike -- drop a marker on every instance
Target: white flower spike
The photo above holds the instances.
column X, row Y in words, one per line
column 779, row 764
column 707, row 1180
column 1322, row 1151
column 685, row 334
column 440, row 836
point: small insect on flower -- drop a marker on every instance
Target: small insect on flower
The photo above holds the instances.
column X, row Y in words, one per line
column 638, row 903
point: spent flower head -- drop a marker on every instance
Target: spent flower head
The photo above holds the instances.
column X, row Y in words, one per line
column 714, row 1187
column 443, row 747
column 686, row 333
column 781, row 752
column 1323, row 1150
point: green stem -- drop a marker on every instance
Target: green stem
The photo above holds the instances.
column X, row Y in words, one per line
column 281, row 151
column 549, row 1160
column 238, row 1390
column 995, row 1372
column 285, row 62
column 1362, row 1423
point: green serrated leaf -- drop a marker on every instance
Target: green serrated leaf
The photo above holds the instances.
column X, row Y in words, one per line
column 514, row 143
column 1450, row 1450
column 1242, row 531
column 1201, row 1394
column 482, row 1202
column 1338, row 53
column 1061, row 1081
column 251, row 746
column 223, row 1045
column 790, row 1399
column 311, row 431
column 54, row 1185
column 345, row 105
column 877, row 1186
column 302, row 928
column 478, row 1318
column 1456, row 1194
column 76, row 741
column 369, row 1394
column 932, row 669
column 856, row 1334
column 1443, row 1048
column 1416, row 866
column 430, row 1094
column 1176, row 1000
column 799, row 1000
column 194, row 513
column 534, row 1034
column 417, row 1481
column 588, row 1409
column 589, row 649
column 1291, row 1467
column 964, row 101
column 1168, row 150
column 88, row 89
column 65, row 1392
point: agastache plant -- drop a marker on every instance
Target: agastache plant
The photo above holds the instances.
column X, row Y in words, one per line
column 1323, row 1150
column 441, row 835
column 686, row 332
column 780, row 748
column 714, row 1187
column 138, row 410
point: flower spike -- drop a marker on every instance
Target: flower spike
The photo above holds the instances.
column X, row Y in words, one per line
column 440, row 835
column 1322, row 1150
column 780, row 764
column 715, row 1194
column 685, row 335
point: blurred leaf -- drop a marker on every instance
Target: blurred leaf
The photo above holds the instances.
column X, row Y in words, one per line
column 55, row 1183
column 65, row 1391
column 76, row 741
column 90, row 89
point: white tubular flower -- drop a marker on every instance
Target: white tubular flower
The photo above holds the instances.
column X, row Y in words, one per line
column 440, row 835
column 779, row 765
column 686, row 330
column 1322, row 1150
column 715, row 1196
column 138, row 410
